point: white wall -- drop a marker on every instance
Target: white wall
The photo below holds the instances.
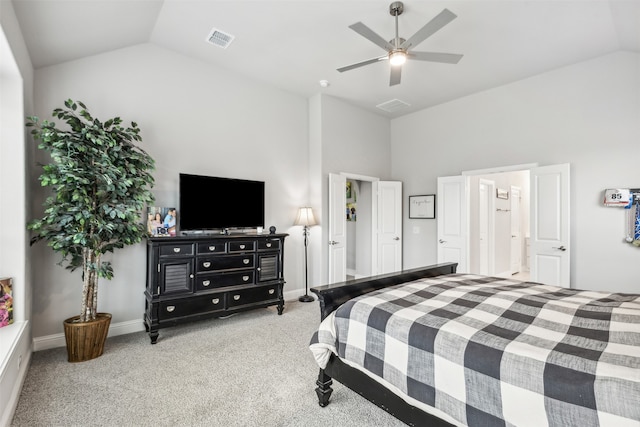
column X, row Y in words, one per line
column 16, row 98
column 587, row 114
column 194, row 118
column 348, row 139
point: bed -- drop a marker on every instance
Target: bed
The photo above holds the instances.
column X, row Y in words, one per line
column 437, row 348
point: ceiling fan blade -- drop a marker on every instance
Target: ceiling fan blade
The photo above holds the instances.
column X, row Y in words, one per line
column 370, row 35
column 396, row 73
column 442, row 19
column 362, row 64
column 447, row 58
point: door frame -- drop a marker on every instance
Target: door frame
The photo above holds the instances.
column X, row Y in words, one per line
column 373, row 213
column 497, row 170
column 531, row 167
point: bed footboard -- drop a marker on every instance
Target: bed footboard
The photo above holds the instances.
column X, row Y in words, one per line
column 374, row 392
column 332, row 296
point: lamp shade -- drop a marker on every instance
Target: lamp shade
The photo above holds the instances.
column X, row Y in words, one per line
column 305, row 217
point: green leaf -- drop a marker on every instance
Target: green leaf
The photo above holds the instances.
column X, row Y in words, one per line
column 100, row 183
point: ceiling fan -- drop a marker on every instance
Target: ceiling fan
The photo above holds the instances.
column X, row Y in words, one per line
column 399, row 49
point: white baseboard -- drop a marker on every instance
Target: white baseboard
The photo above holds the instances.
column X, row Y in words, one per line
column 57, row 340
column 115, row 329
column 14, row 370
column 294, row 295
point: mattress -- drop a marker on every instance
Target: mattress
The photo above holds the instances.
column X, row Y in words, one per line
column 494, row 351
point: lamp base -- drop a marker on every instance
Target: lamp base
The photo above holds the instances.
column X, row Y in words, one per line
column 306, row 298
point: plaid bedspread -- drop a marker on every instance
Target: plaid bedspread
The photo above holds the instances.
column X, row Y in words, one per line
column 490, row 351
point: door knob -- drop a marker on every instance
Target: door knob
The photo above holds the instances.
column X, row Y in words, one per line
column 333, row 242
column 561, row 248
column 442, row 241
column 396, row 238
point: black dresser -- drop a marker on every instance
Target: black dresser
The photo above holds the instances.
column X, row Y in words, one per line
column 203, row 276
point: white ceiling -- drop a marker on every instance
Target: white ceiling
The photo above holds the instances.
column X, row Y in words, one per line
column 294, row 44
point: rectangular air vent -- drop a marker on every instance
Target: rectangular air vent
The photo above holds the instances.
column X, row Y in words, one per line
column 392, row 106
column 220, row 38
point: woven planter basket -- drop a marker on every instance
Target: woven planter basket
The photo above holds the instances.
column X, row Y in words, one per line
column 85, row 340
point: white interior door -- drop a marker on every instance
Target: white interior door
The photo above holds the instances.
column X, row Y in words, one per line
column 516, row 230
column 453, row 221
column 337, row 228
column 549, row 250
column 486, row 222
column 389, row 226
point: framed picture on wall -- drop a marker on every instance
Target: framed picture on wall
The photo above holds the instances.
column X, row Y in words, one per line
column 422, row 207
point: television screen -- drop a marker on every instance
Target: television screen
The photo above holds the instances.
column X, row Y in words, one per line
column 208, row 202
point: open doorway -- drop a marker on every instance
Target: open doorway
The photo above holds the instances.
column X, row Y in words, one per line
column 373, row 240
column 358, row 210
column 498, row 212
column 546, row 247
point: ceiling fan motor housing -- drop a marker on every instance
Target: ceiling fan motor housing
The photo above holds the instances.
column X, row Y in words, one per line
column 396, row 8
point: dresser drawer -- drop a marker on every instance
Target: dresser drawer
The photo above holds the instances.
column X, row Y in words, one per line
column 179, row 249
column 212, row 248
column 250, row 296
column 225, row 262
column 242, row 246
column 195, row 305
column 218, row 280
column 268, row 244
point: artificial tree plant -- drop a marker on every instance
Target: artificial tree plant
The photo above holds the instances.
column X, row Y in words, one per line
column 100, row 182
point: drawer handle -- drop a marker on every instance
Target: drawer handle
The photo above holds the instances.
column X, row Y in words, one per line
column 236, row 297
column 170, row 308
column 245, row 278
column 268, row 245
column 206, row 283
column 245, row 261
column 271, row 291
column 242, row 246
column 206, row 264
column 215, row 300
column 212, row 248
column 176, row 250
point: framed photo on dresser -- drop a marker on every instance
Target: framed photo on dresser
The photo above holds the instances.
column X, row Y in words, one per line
column 161, row 221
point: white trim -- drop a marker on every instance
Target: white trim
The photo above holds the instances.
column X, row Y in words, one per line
column 294, row 294
column 500, row 169
column 356, row 177
column 57, row 340
column 18, row 358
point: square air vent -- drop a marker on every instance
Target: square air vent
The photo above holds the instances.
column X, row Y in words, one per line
column 392, row 106
column 220, row 38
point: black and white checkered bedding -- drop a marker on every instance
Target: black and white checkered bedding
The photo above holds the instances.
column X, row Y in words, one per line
column 490, row 351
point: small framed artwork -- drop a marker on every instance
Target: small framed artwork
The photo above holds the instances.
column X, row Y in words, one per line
column 502, row 193
column 422, row 206
column 161, row 221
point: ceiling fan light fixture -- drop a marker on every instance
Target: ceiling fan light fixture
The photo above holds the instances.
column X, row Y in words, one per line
column 397, row 58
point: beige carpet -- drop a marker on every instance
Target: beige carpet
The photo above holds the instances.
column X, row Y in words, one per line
column 251, row 369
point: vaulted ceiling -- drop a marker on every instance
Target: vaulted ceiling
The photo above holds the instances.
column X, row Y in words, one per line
column 295, row 44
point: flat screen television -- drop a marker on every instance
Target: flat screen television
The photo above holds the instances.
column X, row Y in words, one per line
column 212, row 203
